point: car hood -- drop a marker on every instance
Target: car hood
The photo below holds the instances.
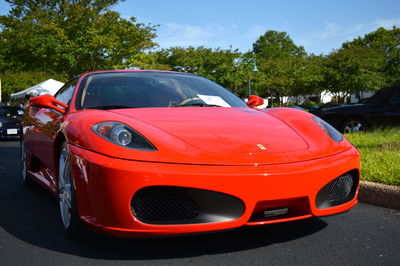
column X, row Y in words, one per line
column 209, row 135
column 232, row 131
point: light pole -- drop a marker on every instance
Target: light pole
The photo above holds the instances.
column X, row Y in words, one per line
column 249, row 61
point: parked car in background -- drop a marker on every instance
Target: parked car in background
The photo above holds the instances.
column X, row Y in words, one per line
column 10, row 117
column 297, row 107
column 331, row 105
column 381, row 110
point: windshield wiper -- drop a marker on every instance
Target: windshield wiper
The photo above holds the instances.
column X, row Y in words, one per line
column 108, row 107
column 195, row 105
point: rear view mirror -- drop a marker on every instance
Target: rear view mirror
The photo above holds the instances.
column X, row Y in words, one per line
column 254, row 101
column 48, row 101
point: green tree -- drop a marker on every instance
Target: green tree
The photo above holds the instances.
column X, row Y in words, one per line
column 215, row 64
column 350, row 70
column 387, row 41
column 70, row 36
column 310, row 75
column 280, row 63
column 273, row 44
column 277, row 77
column 143, row 61
column 13, row 82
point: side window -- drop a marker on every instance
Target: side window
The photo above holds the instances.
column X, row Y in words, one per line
column 395, row 98
column 64, row 95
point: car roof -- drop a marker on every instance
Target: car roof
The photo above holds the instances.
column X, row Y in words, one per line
column 383, row 95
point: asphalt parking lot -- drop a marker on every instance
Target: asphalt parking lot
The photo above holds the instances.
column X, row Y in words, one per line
column 31, row 234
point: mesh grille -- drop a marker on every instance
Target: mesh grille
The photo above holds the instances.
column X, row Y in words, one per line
column 12, row 124
column 341, row 188
column 164, row 205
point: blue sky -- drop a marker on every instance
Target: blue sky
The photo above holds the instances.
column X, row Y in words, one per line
column 320, row 26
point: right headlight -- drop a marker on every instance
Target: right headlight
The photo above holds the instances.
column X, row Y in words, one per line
column 330, row 130
column 122, row 135
column 1, row 124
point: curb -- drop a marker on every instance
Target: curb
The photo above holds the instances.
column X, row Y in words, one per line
column 379, row 194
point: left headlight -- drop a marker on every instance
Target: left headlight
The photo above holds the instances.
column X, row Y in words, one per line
column 122, row 135
column 330, row 130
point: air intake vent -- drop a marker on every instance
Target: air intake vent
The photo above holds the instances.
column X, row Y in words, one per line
column 163, row 205
column 338, row 191
column 341, row 188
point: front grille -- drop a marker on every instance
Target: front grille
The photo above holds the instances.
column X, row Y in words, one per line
column 11, row 125
column 164, row 205
column 181, row 205
column 338, row 191
column 341, row 189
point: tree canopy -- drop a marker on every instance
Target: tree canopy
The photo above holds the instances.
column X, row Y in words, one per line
column 350, row 70
column 69, row 36
column 215, row 64
column 386, row 42
column 40, row 39
column 273, row 44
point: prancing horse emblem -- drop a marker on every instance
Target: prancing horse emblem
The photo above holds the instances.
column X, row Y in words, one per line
column 261, row 147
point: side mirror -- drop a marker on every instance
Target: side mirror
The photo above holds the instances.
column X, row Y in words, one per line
column 48, row 101
column 254, row 101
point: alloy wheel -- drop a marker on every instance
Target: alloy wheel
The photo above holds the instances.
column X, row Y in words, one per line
column 65, row 188
column 23, row 162
column 354, row 126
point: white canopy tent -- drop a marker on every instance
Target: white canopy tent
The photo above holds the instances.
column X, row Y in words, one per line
column 49, row 86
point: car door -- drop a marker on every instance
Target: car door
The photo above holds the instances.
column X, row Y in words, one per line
column 45, row 125
column 393, row 110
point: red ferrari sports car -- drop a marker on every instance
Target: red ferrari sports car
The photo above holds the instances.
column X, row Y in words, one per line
column 151, row 153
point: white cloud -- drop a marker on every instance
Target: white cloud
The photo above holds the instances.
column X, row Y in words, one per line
column 256, row 31
column 173, row 34
column 329, row 36
column 387, row 23
column 334, row 30
column 332, row 35
column 210, row 35
column 331, row 29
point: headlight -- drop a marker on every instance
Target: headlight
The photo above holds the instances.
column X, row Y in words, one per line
column 1, row 124
column 122, row 135
column 330, row 130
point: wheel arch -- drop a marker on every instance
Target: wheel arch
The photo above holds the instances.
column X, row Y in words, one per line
column 352, row 116
column 79, row 185
column 59, row 140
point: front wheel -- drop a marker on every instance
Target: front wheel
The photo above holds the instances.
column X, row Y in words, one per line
column 66, row 195
column 354, row 125
column 24, row 168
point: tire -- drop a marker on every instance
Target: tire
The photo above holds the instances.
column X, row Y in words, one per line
column 26, row 180
column 354, row 124
column 70, row 220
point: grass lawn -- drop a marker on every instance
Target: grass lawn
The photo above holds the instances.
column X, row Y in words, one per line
column 380, row 155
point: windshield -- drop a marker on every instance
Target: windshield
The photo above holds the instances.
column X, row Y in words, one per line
column 152, row 89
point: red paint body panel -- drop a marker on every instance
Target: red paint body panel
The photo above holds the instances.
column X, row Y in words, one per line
column 187, row 135
column 104, row 197
column 210, row 148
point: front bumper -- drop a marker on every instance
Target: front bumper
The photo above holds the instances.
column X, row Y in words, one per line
column 10, row 133
column 105, row 187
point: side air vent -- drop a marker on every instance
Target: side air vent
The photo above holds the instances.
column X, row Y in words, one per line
column 180, row 205
column 338, row 191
